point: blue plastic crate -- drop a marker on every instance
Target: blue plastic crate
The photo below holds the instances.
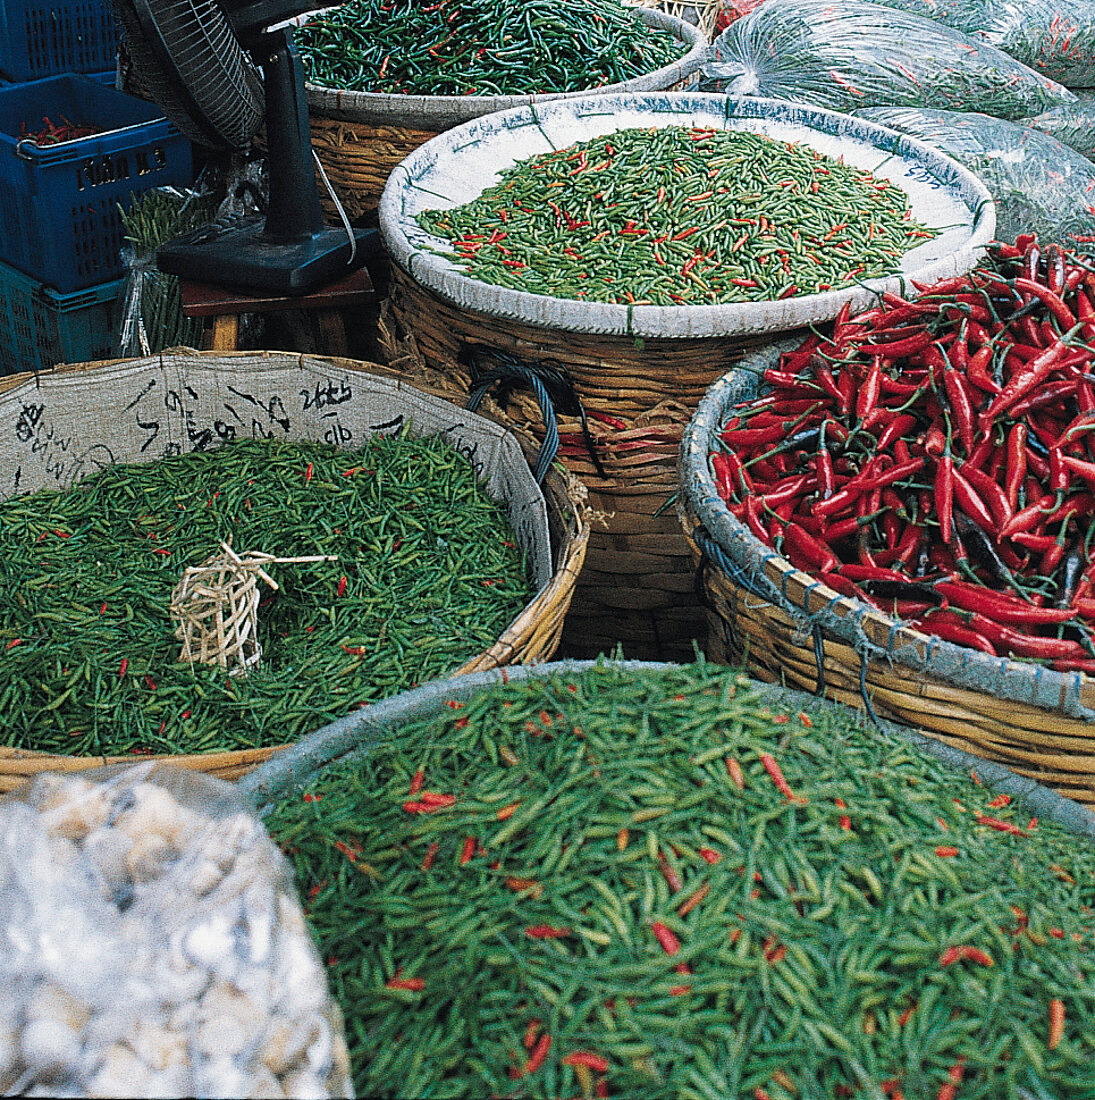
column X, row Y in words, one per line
column 60, row 202
column 40, row 327
column 62, row 36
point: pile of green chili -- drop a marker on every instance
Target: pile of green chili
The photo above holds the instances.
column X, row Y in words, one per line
column 646, row 883
column 678, row 215
column 481, row 47
column 426, row 576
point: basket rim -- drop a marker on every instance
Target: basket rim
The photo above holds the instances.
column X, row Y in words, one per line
column 565, row 499
column 851, row 620
column 362, row 731
column 451, row 110
column 416, row 252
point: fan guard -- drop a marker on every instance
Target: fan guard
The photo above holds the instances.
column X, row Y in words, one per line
column 216, row 99
column 219, row 69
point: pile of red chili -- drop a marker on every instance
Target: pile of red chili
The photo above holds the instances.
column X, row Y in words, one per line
column 935, row 457
column 53, row 133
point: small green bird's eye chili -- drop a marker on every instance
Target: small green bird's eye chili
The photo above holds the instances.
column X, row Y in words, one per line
column 679, row 216
column 481, row 47
column 411, row 530
column 797, row 946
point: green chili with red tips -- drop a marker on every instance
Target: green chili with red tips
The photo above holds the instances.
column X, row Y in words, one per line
column 656, row 221
column 861, row 880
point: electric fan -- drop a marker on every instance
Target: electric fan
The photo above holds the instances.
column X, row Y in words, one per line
column 216, row 68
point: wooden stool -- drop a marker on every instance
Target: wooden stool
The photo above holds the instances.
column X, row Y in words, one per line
column 224, row 306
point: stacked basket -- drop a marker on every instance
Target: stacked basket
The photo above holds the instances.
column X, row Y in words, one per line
column 359, row 137
column 54, row 444
column 638, row 370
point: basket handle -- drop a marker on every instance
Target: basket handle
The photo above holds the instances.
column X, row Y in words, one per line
column 548, row 381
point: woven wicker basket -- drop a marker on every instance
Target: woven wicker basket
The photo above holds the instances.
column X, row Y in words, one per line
column 786, row 626
column 641, row 367
column 532, row 636
column 637, row 585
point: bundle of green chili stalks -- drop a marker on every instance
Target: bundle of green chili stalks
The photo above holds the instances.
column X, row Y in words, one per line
column 678, row 215
column 646, row 883
column 481, row 47
column 425, row 576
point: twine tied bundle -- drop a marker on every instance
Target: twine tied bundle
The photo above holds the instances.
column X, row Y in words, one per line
column 215, row 606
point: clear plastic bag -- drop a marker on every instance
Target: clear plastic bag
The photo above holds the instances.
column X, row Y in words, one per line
column 1039, row 185
column 1054, row 37
column 856, row 54
column 152, row 945
column 1071, row 126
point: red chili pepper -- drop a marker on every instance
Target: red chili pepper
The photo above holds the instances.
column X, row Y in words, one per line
column 977, row 370
column 946, row 625
column 961, row 406
column 867, row 397
column 954, row 1079
column 970, row 503
column 809, row 551
column 1016, row 463
column 944, row 496
column 546, row 932
column 665, row 937
column 586, row 1058
column 1000, row 825
column 1000, row 606
column 1061, row 313
column 122, row 668
column 539, row 1053
column 965, row 952
column 724, row 480
column 508, row 811
column 1024, row 381
column 771, row 766
column 1056, row 1023
column 431, row 852
column 308, row 473
column 416, row 781
column 435, row 798
column 531, row 1032
column 709, row 855
column 468, row 850
column 341, row 590
column 894, row 430
column 416, row 985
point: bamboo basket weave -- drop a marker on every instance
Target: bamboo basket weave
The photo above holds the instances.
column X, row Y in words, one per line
column 637, row 585
column 532, row 636
column 786, row 626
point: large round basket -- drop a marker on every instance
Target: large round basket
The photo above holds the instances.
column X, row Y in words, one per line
column 639, row 371
column 786, row 626
column 76, row 419
column 360, row 137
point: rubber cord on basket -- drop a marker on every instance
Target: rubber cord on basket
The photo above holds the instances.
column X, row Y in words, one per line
column 553, row 389
column 743, row 579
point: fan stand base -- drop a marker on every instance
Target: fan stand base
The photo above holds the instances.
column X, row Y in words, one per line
column 239, row 254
